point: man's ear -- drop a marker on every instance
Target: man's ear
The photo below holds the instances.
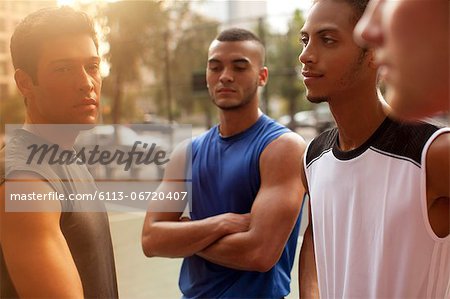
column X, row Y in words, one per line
column 24, row 82
column 263, row 76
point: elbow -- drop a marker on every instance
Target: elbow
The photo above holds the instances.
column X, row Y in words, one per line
column 263, row 266
column 264, row 261
column 147, row 247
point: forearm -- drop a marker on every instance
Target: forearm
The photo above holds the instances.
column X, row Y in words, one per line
column 259, row 248
column 235, row 251
column 182, row 238
column 308, row 285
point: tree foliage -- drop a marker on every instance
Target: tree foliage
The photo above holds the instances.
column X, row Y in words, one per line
column 190, row 57
column 134, row 37
column 283, row 55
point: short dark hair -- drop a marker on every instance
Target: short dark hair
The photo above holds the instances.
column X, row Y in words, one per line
column 41, row 26
column 359, row 6
column 241, row 35
column 237, row 35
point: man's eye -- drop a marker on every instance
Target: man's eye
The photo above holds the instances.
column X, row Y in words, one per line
column 240, row 68
column 304, row 41
column 214, row 68
column 63, row 69
column 328, row 41
column 93, row 67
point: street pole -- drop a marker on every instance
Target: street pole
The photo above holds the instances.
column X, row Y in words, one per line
column 265, row 92
column 167, row 76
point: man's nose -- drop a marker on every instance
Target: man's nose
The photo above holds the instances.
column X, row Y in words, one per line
column 85, row 81
column 308, row 55
column 226, row 75
column 368, row 31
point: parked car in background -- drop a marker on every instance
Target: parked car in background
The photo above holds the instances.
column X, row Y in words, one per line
column 301, row 119
column 324, row 118
column 320, row 118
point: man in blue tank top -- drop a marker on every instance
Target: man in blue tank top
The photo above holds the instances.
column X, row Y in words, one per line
column 242, row 234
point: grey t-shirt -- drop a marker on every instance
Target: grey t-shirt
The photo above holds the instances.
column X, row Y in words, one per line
column 87, row 233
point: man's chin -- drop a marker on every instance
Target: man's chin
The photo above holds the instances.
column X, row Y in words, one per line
column 228, row 104
column 88, row 122
column 317, row 99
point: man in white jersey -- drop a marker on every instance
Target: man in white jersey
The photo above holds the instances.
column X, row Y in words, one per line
column 379, row 189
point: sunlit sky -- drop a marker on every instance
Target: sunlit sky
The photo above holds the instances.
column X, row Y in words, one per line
column 286, row 7
column 278, row 10
column 72, row 2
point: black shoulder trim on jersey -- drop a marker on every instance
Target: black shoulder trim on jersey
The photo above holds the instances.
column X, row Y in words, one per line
column 395, row 156
column 405, row 140
column 321, row 144
column 351, row 154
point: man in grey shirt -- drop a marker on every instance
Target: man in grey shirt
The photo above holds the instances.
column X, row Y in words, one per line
column 66, row 250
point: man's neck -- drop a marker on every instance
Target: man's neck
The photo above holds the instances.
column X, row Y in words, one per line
column 357, row 117
column 236, row 121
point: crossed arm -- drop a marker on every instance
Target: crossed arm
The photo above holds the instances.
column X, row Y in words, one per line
column 252, row 242
column 165, row 235
column 36, row 253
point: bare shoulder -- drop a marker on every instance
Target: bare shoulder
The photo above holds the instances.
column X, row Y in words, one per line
column 440, row 148
column 288, row 144
column 438, row 167
column 180, row 156
column 438, row 155
column 281, row 159
column 28, row 183
column 182, row 148
column 27, row 225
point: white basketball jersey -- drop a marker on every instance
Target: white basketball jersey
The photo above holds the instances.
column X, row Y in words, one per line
column 370, row 222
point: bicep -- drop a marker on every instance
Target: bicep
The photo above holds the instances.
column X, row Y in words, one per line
column 438, row 178
column 279, row 199
column 36, row 251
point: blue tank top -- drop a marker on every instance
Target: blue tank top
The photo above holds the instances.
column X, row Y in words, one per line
column 225, row 178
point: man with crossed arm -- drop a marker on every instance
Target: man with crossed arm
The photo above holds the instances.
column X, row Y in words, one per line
column 246, row 188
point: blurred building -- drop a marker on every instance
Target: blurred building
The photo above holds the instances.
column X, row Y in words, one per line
column 11, row 13
column 233, row 13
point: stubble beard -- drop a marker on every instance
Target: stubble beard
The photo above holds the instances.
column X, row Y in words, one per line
column 344, row 82
column 245, row 101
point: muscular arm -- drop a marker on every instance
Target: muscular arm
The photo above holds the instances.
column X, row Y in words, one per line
column 165, row 235
column 307, row 272
column 37, row 256
column 273, row 214
column 307, row 266
column 438, row 182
